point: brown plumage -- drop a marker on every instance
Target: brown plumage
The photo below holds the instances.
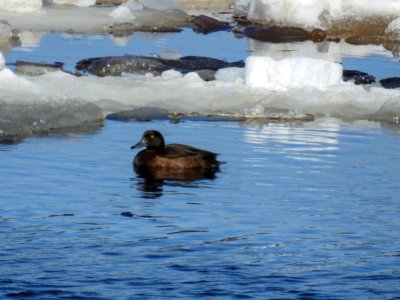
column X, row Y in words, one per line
column 175, row 157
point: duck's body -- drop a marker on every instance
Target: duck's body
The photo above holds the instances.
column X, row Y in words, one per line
column 157, row 155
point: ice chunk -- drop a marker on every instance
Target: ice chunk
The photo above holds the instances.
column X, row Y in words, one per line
column 171, row 74
column 80, row 3
column 9, row 81
column 19, row 119
column 134, row 5
column 231, row 74
column 263, row 71
column 160, row 4
column 126, row 10
column 2, row 61
column 171, row 54
column 393, row 29
column 390, row 111
column 21, row 6
column 241, row 6
column 123, row 12
column 30, row 39
column 5, row 32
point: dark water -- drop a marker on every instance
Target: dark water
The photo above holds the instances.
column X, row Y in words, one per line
column 298, row 211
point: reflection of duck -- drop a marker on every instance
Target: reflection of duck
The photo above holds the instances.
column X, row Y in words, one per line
column 172, row 161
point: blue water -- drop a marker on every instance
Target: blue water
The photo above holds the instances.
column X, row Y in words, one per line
column 298, row 211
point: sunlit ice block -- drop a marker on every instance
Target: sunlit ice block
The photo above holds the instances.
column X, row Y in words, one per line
column 266, row 72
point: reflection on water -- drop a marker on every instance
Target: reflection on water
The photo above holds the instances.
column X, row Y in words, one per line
column 300, row 144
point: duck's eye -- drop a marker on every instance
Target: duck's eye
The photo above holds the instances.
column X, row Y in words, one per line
column 152, row 136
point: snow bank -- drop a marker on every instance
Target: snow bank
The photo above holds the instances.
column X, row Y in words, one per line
column 21, row 6
column 265, row 72
column 316, row 13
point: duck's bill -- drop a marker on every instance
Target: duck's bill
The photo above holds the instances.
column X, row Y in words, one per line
column 138, row 145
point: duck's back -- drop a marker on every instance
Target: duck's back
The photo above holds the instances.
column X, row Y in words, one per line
column 177, row 156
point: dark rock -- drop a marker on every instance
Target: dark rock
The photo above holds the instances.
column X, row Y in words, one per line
column 390, row 83
column 143, row 114
column 281, row 34
column 358, row 77
column 116, row 65
column 194, row 63
column 127, row 214
column 159, row 29
column 205, row 24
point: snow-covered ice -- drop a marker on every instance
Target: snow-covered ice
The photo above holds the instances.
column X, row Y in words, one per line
column 228, row 94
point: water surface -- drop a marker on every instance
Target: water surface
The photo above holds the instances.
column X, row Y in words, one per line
column 297, row 211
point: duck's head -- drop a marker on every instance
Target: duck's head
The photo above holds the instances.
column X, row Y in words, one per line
column 151, row 139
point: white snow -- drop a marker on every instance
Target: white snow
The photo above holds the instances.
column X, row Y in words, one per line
column 266, row 72
column 317, row 13
column 21, row 6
